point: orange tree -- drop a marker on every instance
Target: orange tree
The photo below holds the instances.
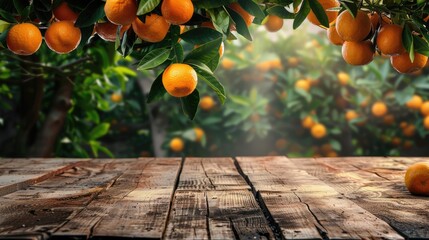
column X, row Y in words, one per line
column 155, row 38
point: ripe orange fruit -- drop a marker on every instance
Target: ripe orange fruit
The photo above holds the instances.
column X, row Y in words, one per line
column 303, row 84
column 389, row 119
column 409, row 130
column 396, row 141
column 333, row 36
column 343, row 78
column 199, row 133
column 307, row 122
column 281, row 144
column 62, row 37
column 318, row 130
column 326, row 4
column 154, row 29
column 402, row 62
column 121, row 12
column 207, row 103
column 415, row 103
column 248, row 19
column 424, row 109
column 417, row 178
column 116, row 97
column 358, row 53
column 273, row 23
column 107, row 31
column 179, row 79
column 426, row 122
column 293, row 61
column 353, row 29
column 227, row 63
column 379, row 109
column 351, row 114
column 376, row 21
column 177, row 12
column 64, row 13
column 177, row 144
column 389, row 40
column 24, row 39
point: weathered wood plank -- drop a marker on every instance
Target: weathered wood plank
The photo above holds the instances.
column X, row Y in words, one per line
column 213, row 201
column 333, row 215
column 135, row 206
column 377, row 189
column 47, row 205
column 20, row 173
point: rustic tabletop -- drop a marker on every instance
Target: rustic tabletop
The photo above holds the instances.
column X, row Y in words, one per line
column 210, row 198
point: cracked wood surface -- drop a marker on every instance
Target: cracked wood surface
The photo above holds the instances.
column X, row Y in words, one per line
column 210, row 198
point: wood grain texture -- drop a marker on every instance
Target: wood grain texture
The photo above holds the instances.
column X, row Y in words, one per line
column 20, row 173
column 376, row 184
column 135, row 206
column 333, row 216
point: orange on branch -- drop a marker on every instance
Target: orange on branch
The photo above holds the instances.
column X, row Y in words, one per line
column 177, row 144
column 379, row 109
column 121, row 12
column 154, row 29
column 248, row 19
column 318, row 131
column 326, row 4
column 64, row 13
column 333, row 36
column 353, row 29
column 63, row 37
column 107, row 31
column 426, row 122
column 402, row 62
column 207, row 103
column 424, row 109
column 389, row 40
column 358, row 53
column 24, row 39
column 303, row 84
column 177, row 12
column 415, row 103
column 199, row 134
column 308, row 122
column 343, row 78
column 274, row 23
column 179, row 79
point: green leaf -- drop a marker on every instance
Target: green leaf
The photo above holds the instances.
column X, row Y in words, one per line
column 302, row 14
column 280, row 12
column 22, row 7
column 205, row 53
column 157, row 90
column 207, row 76
column 177, row 53
column 351, row 7
column 252, row 8
column 91, row 14
column 212, row 4
column 320, row 13
column 190, row 104
column 335, row 145
column 147, row 6
column 420, row 45
column 99, row 131
column 404, row 95
column 408, row 41
column 154, row 58
column 7, row 16
column 240, row 24
column 198, row 36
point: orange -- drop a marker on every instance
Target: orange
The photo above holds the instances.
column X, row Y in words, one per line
column 376, row 21
column 343, row 78
column 281, row 144
column 107, row 31
column 199, row 133
column 424, row 109
column 426, row 122
column 293, row 61
column 326, row 4
column 116, row 97
column 403, row 124
column 415, row 103
column 402, row 63
column 358, row 53
column 62, row 37
column 177, row 144
column 179, row 79
column 379, row 109
column 177, row 12
column 389, row 40
column 207, row 103
column 307, row 122
column 248, row 19
column 350, row 115
column 409, row 130
column 303, row 84
column 333, row 36
column 24, row 39
column 396, row 141
column 408, row 144
column 318, row 130
column 228, row 64
column 417, row 178
column 273, row 23
column 389, row 119
column 121, row 12
column 353, row 29
column 64, row 13
column 154, row 29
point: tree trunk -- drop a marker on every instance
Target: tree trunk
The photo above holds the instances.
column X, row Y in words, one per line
column 54, row 122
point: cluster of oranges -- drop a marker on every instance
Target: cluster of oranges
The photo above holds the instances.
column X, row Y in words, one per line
column 361, row 35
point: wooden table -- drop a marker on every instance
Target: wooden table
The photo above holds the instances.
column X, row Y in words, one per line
column 210, row 198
